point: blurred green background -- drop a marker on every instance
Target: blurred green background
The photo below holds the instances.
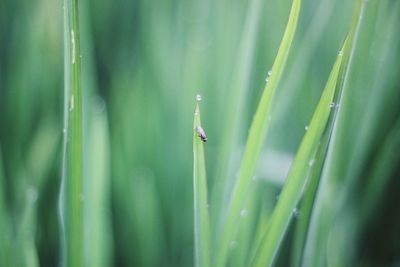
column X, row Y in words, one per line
column 143, row 62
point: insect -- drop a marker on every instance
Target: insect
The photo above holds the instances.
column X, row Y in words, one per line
column 202, row 134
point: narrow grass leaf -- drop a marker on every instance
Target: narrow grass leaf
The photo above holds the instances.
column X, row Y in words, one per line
column 322, row 217
column 71, row 191
column 256, row 138
column 293, row 188
column 201, row 216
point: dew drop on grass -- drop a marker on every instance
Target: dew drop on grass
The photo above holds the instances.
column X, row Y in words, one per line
column 268, row 75
column 340, row 53
column 332, row 105
column 198, row 98
column 64, row 131
column 71, row 103
column 244, row 213
column 306, row 128
column 73, row 46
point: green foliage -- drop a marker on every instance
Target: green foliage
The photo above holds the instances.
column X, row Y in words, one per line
column 133, row 194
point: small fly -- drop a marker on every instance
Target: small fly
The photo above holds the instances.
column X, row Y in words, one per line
column 202, row 134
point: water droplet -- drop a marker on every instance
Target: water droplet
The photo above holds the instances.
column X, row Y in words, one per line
column 311, row 162
column 71, row 103
column 340, row 53
column 306, row 128
column 296, row 212
column 332, row 105
column 268, row 75
column 198, row 98
column 244, row 213
column 233, row 244
column 32, row 194
column 73, row 46
column 64, row 130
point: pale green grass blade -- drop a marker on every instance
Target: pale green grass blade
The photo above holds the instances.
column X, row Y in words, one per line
column 71, row 195
column 294, row 185
column 98, row 240
column 237, row 98
column 256, row 139
column 307, row 202
column 321, row 219
column 200, row 201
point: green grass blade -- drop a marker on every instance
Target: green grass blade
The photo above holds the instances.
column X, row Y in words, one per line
column 296, row 179
column 239, row 89
column 71, row 195
column 97, row 188
column 201, row 216
column 321, row 218
column 256, row 138
column 308, row 201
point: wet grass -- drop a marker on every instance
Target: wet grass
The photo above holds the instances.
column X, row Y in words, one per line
column 301, row 170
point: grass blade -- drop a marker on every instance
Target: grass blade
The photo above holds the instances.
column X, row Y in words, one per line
column 256, row 138
column 357, row 140
column 296, row 179
column 71, row 188
column 320, row 219
column 201, row 216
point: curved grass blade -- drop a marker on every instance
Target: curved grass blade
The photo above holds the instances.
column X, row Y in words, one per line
column 200, row 202
column 320, row 219
column 71, row 206
column 256, row 138
column 293, row 188
column 239, row 89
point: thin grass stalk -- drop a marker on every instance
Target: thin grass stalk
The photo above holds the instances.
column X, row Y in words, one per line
column 255, row 139
column 200, row 198
column 71, row 186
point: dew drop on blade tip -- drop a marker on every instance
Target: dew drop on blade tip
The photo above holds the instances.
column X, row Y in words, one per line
column 198, row 98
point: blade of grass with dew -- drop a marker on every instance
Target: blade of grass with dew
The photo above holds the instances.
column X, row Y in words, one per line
column 239, row 88
column 308, row 201
column 316, row 165
column 71, row 186
column 200, row 201
column 256, row 138
column 321, row 218
column 296, row 179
